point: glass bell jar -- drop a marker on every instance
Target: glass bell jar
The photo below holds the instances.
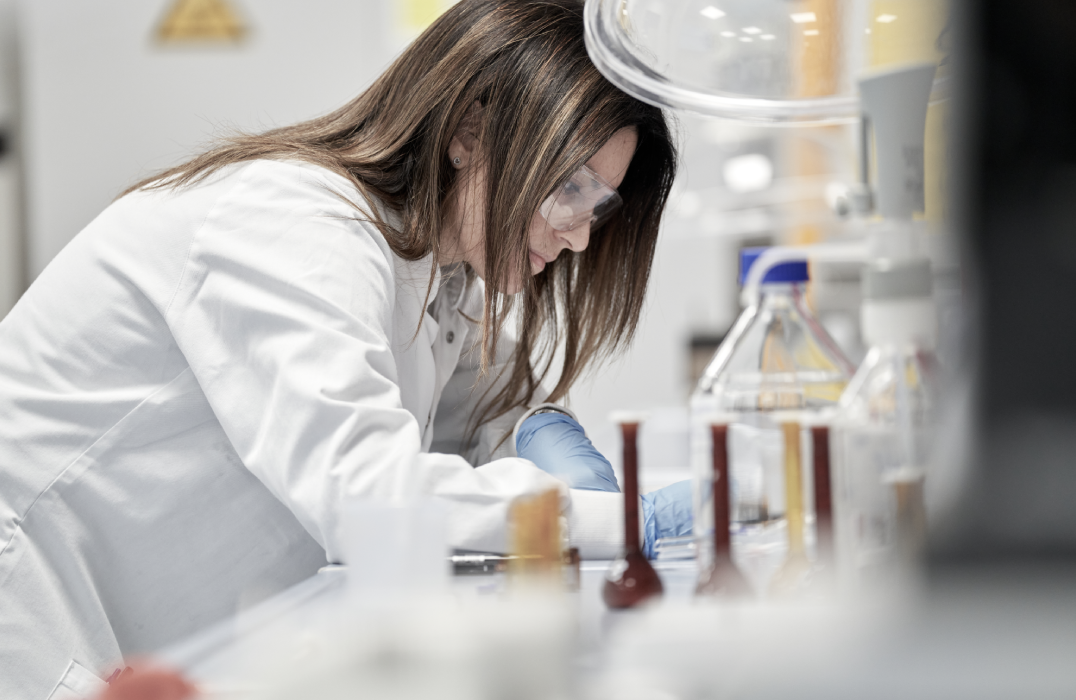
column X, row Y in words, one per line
column 779, row 62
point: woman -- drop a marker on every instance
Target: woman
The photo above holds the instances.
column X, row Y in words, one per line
column 236, row 346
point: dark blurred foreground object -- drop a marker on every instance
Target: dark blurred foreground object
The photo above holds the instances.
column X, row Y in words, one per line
column 1015, row 146
column 147, row 683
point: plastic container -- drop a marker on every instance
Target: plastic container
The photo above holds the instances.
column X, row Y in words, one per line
column 882, row 434
column 777, row 357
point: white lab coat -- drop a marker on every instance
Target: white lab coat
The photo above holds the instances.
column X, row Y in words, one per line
column 190, row 391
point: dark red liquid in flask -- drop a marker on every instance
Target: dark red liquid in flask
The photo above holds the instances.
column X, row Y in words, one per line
column 823, row 494
column 722, row 578
column 630, row 580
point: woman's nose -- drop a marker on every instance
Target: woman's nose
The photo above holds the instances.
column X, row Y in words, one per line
column 577, row 239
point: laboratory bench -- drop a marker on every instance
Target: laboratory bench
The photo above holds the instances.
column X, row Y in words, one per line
column 999, row 631
column 216, row 657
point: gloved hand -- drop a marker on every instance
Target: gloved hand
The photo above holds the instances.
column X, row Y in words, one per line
column 666, row 513
column 558, row 445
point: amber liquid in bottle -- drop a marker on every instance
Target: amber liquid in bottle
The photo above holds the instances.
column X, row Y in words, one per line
column 911, row 518
column 630, row 580
column 792, row 574
column 722, row 578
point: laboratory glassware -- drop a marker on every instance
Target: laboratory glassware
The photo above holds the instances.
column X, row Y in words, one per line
column 882, row 433
column 776, row 357
column 894, row 105
column 883, row 428
column 793, row 572
column 396, row 551
column 722, row 577
column 759, row 61
column 536, row 538
column 823, row 495
column 478, row 563
column 630, row 580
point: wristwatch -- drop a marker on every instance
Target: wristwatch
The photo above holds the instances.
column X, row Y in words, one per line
column 540, row 408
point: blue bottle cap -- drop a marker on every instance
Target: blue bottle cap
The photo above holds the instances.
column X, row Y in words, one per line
column 792, row 271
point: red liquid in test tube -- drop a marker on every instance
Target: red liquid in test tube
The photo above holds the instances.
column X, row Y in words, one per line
column 722, row 577
column 631, row 579
column 823, row 494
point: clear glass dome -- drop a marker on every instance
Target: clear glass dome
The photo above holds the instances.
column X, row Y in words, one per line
column 765, row 61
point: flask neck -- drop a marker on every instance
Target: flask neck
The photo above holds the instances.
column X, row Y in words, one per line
column 772, row 291
column 909, row 321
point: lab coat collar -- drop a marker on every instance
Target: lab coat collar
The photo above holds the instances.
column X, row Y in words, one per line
column 455, row 283
column 456, row 279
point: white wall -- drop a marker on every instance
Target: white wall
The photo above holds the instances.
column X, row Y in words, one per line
column 104, row 104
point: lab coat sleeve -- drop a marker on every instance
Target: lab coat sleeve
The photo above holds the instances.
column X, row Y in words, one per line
column 285, row 314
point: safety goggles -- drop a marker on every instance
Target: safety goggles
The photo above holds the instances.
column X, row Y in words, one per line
column 586, row 198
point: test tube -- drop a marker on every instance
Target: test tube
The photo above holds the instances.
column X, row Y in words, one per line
column 823, row 494
column 631, row 580
column 907, row 485
column 790, row 577
column 722, row 577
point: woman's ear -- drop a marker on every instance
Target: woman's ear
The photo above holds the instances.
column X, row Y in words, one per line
column 464, row 143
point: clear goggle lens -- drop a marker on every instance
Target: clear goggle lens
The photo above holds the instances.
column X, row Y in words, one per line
column 586, row 198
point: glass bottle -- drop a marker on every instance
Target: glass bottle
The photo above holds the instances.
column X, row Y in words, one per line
column 883, row 428
column 776, row 357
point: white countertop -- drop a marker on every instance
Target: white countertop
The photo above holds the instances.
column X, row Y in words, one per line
column 986, row 632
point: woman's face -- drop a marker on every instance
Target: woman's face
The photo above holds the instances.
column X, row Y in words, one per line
column 546, row 243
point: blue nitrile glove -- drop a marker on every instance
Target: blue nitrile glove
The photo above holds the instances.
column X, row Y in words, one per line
column 558, row 445
column 666, row 513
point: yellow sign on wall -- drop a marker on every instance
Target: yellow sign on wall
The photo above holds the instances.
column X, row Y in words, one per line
column 419, row 14
column 200, row 21
column 413, row 16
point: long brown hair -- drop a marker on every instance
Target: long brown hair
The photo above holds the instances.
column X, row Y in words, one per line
column 545, row 110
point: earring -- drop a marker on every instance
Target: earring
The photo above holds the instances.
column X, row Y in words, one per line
column 456, row 161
